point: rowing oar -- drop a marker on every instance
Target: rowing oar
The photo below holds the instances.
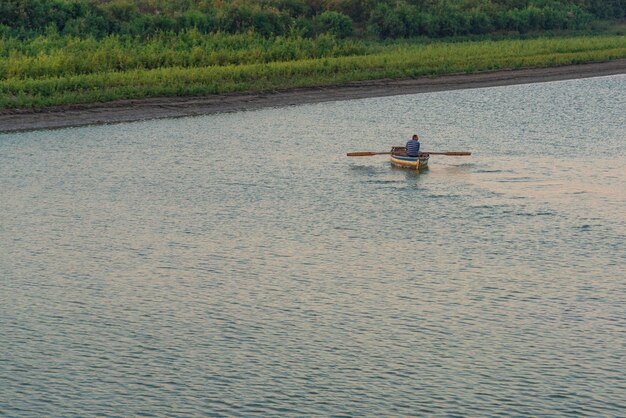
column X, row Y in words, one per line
column 451, row 153
column 366, row 153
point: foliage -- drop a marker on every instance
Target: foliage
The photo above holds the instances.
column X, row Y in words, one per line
column 386, row 19
column 63, row 56
column 74, row 51
column 335, row 23
column 63, row 70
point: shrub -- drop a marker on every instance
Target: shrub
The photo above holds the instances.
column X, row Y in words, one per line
column 411, row 19
column 335, row 23
column 203, row 22
column 480, row 22
column 608, row 9
column 303, row 27
column 386, row 23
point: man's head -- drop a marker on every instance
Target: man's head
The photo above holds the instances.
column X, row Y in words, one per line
column 416, row 138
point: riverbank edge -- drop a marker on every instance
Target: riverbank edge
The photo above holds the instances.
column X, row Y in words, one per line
column 132, row 110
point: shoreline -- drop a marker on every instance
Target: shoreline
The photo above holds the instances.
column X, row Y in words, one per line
column 131, row 110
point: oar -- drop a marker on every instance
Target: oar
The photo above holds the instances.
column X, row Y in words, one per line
column 366, row 153
column 450, row 153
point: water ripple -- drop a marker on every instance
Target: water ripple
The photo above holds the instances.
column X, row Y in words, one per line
column 146, row 272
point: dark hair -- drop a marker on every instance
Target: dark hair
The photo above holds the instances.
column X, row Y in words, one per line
column 416, row 137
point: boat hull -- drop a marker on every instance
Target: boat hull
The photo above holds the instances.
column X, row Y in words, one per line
column 416, row 163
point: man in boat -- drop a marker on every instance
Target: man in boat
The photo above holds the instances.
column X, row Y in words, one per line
column 413, row 147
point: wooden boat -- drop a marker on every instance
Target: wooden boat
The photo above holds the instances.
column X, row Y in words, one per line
column 400, row 159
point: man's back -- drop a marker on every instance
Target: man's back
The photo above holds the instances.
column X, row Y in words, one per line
column 413, row 148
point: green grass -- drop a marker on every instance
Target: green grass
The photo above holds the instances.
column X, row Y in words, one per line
column 62, row 70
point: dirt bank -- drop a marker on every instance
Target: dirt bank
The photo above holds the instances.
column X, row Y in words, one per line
column 14, row 120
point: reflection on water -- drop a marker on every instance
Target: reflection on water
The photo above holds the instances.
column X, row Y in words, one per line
column 241, row 264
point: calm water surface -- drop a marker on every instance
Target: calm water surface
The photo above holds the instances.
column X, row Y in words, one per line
column 240, row 264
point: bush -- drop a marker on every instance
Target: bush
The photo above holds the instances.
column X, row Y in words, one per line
column 334, row 23
column 341, row 18
column 411, row 18
column 480, row 23
column 429, row 25
column 5, row 31
column 608, row 9
column 303, row 27
column 386, row 23
column 203, row 22
column 453, row 23
column 294, row 8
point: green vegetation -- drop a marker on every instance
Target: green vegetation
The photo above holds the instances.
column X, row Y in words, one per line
column 48, row 72
column 75, row 51
column 342, row 18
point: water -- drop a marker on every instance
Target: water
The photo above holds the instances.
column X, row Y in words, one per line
column 240, row 264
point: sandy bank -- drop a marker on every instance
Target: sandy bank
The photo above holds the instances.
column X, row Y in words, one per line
column 14, row 120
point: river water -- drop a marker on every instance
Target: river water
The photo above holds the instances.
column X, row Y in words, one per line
column 240, row 264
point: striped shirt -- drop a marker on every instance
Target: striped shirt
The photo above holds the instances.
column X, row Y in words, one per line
column 413, row 148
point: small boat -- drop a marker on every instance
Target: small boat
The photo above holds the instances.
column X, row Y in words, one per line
column 400, row 159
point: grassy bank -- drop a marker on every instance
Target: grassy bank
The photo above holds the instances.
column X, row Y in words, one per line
column 48, row 71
